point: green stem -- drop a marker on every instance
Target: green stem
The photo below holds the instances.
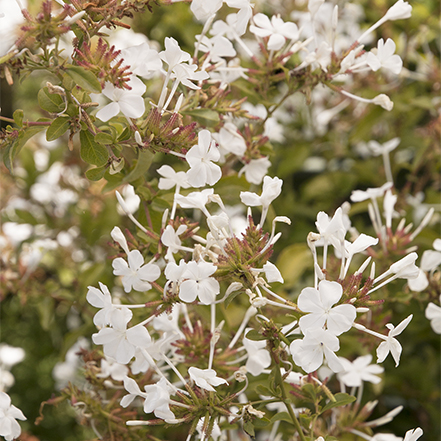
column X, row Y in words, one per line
column 288, row 406
column 27, row 123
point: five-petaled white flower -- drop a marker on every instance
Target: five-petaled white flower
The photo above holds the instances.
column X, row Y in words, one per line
column 202, row 170
column 258, row 356
column 317, row 344
column 9, row 428
column 205, row 378
column 318, row 302
column 135, row 274
column 198, row 283
column 359, row 370
column 101, row 298
column 118, row 341
column 277, row 30
column 384, row 57
column 129, row 102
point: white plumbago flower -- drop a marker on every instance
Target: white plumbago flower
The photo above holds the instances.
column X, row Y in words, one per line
column 170, row 238
column 370, row 193
column 118, row 341
column 314, row 6
column 433, row 313
column 170, row 178
column 158, row 400
column 131, row 386
column 332, row 230
column 196, row 199
column 317, row 344
column 362, row 243
column 399, row 10
column 243, row 16
column 135, row 275
column 216, row 48
column 391, row 344
column 230, row 141
column 173, row 54
column 318, row 302
column 174, row 272
column 199, row 283
column 384, row 57
column 277, row 30
column 359, row 370
column 405, row 268
column 101, row 298
column 413, row 434
column 10, row 355
column 9, row 428
column 202, row 170
column 206, row 378
column 258, row 356
column 203, row 9
column 272, row 273
column 255, row 170
column 143, row 60
column 379, row 149
column 120, row 239
column 383, row 101
column 184, row 72
column 110, row 368
column 272, row 187
column 128, row 102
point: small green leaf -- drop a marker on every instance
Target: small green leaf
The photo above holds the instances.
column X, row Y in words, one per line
column 249, row 428
column 206, row 117
column 341, row 399
column 104, row 138
column 95, row 174
column 263, row 390
column 58, row 128
column 254, row 335
column 92, row 152
column 18, row 117
column 125, row 135
column 281, row 416
column 142, row 165
column 84, row 78
column 51, row 102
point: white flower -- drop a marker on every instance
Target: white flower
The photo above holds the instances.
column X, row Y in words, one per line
column 199, row 283
column 100, row 298
column 202, row 170
column 10, row 355
column 119, row 238
column 383, row 101
column 258, row 356
column 433, row 313
column 205, row 378
column 276, row 29
column 370, row 193
column 158, row 400
column 170, row 238
column 196, row 199
column 170, row 178
column 9, row 428
column 110, row 368
column 135, row 274
column 255, row 170
column 173, row 54
column 129, row 102
column 413, row 434
column 130, row 203
column 143, row 60
column 215, row 47
column 391, row 344
column 354, row 373
column 384, row 57
column 184, row 72
column 230, row 141
column 272, row 273
column 380, row 149
column 319, row 304
column 203, row 9
column 399, row 10
column 118, row 341
column 317, row 344
column 272, row 187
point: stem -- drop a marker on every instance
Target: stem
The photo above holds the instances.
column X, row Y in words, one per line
column 27, row 123
column 288, row 406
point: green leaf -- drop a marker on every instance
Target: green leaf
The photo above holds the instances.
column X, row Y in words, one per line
column 51, row 102
column 254, row 335
column 18, row 117
column 84, row 78
column 142, row 165
column 92, row 152
column 104, row 138
column 249, row 428
column 58, row 128
column 11, row 151
column 95, row 174
column 341, row 399
column 206, row 117
column 281, row 416
column 263, row 390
